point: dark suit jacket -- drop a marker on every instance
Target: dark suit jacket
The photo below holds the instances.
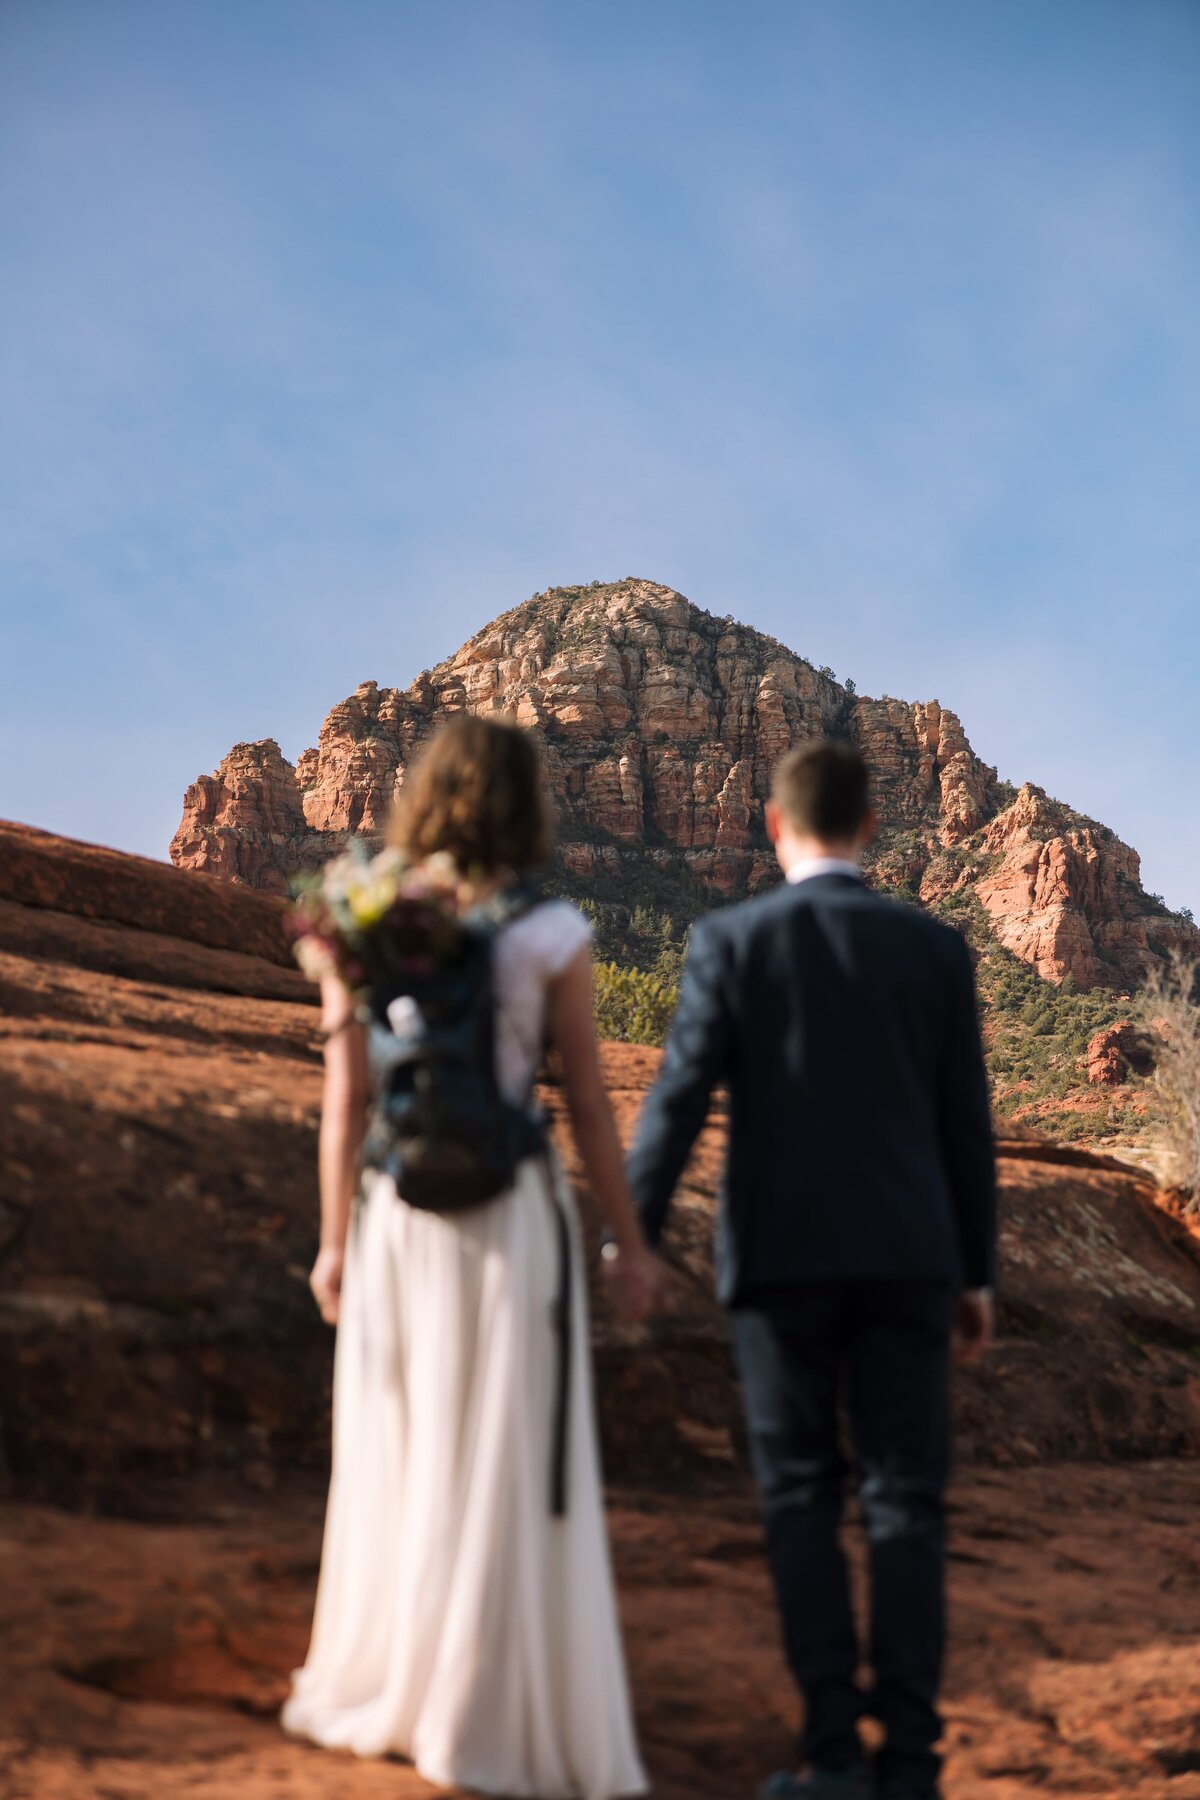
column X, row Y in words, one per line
column 844, row 1027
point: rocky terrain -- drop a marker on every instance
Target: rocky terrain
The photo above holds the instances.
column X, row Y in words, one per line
column 157, row 1219
column 660, row 725
column 160, row 1073
column 140, row 1663
column 164, row 1406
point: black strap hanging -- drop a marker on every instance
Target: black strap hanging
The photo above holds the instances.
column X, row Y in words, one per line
column 563, row 1325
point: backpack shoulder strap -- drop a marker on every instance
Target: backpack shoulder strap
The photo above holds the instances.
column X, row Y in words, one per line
column 505, row 907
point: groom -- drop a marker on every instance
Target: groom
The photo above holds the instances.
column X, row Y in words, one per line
column 855, row 1246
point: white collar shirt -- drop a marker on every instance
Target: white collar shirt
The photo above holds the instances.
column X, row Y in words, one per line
column 805, row 867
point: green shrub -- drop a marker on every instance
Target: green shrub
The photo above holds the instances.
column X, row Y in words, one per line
column 632, row 1006
column 639, row 930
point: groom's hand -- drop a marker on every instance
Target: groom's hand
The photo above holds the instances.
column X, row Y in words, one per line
column 974, row 1325
column 640, row 1283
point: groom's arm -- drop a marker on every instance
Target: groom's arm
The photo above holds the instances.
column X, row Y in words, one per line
column 694, row 1062
column 968, row 1146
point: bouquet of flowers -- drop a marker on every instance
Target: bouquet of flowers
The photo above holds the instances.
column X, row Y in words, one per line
column 368, row 918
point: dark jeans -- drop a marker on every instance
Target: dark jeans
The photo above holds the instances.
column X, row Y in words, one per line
column 889, row 1344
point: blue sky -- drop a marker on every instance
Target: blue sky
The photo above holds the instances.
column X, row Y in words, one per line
column 327, row 331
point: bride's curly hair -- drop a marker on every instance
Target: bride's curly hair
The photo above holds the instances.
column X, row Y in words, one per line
column 476, row 793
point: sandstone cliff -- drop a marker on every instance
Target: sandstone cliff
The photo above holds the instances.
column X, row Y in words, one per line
column 660, row 725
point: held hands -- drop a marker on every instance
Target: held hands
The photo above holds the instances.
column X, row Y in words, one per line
column 974, row 1325
column 326, row 1281
column 640, row 1282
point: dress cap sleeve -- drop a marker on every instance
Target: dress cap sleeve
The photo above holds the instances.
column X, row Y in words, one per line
column 562, row 933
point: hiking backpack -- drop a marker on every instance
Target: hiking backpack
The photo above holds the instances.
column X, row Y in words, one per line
column 439, row 1124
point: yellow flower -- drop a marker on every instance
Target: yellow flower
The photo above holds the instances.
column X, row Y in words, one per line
column 370, row 902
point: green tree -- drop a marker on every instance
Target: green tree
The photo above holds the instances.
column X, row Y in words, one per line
column 632, row 1006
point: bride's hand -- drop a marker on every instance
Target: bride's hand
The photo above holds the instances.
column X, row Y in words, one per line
column 640, row 1282
column 974, row 1325
column 326, row 1281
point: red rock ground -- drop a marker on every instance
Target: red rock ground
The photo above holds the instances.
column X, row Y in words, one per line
column 139, row 1661
column 163, row 1395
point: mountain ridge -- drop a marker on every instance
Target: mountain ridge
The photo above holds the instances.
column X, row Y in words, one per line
column 660, row 724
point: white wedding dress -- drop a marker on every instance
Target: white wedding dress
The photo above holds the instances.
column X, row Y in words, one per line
column 458, row 1623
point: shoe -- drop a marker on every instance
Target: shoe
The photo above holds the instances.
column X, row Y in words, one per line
column 853, row 1783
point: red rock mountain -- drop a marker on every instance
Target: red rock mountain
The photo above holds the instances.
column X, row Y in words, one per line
column 660, row 725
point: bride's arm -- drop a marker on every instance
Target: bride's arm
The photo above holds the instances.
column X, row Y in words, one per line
column 641, row 1279
column 343, row 1116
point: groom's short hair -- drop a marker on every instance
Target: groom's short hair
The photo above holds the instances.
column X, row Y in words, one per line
column 823, row 789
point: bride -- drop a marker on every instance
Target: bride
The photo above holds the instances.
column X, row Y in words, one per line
column 463, row 1619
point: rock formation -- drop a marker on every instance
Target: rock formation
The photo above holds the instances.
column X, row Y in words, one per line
column 660, row 725
column 1118, row 1051
column 1065, row 894
column 246, row 822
